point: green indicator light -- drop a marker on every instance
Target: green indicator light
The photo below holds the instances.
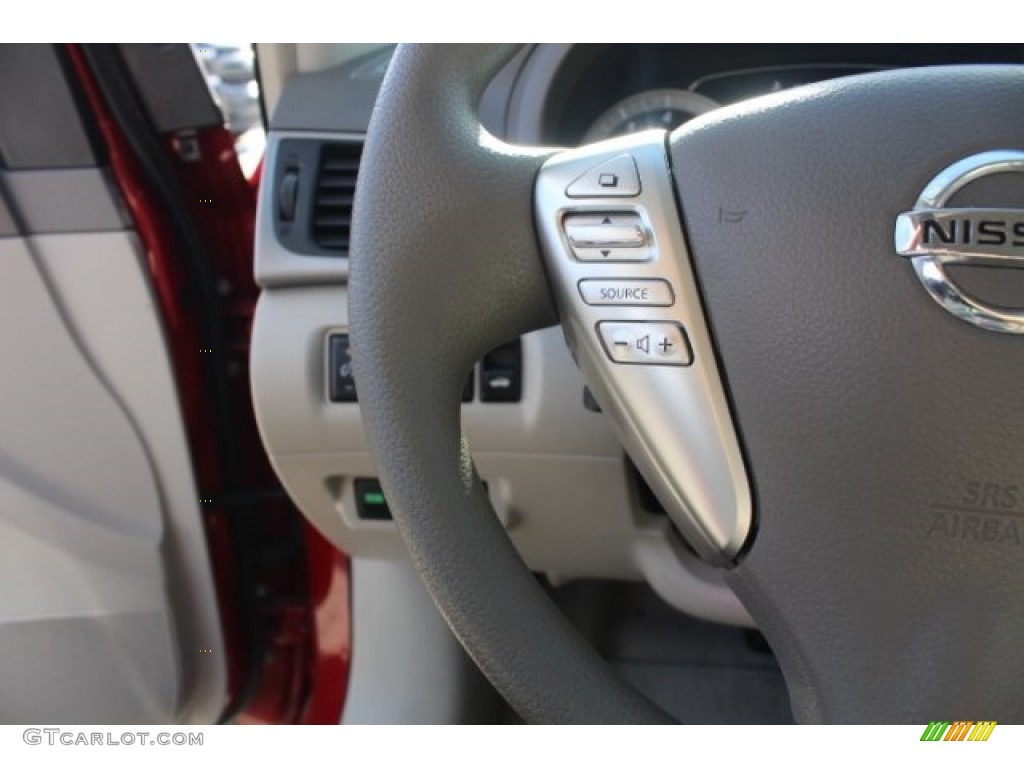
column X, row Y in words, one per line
column 375, row 498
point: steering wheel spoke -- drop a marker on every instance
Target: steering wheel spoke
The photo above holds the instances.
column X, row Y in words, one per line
column 632, row 315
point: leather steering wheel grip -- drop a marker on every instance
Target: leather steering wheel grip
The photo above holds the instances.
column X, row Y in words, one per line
column 444, row 267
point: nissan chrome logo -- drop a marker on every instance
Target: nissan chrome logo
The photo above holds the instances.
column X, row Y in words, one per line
column 933, row 236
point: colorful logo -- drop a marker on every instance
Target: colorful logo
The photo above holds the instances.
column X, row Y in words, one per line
column 962, row 730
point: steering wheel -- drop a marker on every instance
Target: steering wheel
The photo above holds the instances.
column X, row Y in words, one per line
column 815, row 421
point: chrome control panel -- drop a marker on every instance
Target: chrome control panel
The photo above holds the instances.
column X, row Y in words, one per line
column 614, row 248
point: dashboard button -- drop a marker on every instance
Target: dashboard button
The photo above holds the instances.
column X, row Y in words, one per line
column 342, row 386
column 612, row 254
column 645, row 343
column 500, row 385
column 370, row 501
column 605, row 230
column 501, row 374
column 617, row 177
column 624, row 293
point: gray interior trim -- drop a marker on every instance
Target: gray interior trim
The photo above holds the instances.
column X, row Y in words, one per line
column 400, row 677
column 340, row 98
column 700, row 672
column 78, row 670
column 171, row 84
column 494, row 104
column 123, row 342
column 82, row 524
column 8, row 226
column 44, row 129
column 526, row 104
column 68, row 200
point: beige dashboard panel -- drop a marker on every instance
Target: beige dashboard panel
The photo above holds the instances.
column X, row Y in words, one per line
column 557, row 476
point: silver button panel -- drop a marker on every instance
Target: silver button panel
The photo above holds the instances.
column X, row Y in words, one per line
column 626, row 293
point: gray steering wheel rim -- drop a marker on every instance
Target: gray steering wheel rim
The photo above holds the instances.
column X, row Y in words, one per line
column 421, row 231
column 420, row 206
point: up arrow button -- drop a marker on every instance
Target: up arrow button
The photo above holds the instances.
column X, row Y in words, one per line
column 617, row 177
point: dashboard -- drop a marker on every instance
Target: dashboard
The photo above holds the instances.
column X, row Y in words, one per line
column 557, row 476
column 574, row 94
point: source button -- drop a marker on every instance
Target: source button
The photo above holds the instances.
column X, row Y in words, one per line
column 643, row 293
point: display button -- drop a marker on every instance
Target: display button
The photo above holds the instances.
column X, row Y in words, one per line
column 645, row 343
column 617, row 177
column 644, row 293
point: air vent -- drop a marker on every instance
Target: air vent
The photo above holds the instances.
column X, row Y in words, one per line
column 335, row 190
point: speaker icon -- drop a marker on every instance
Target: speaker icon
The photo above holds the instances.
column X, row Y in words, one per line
column 644, row 344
